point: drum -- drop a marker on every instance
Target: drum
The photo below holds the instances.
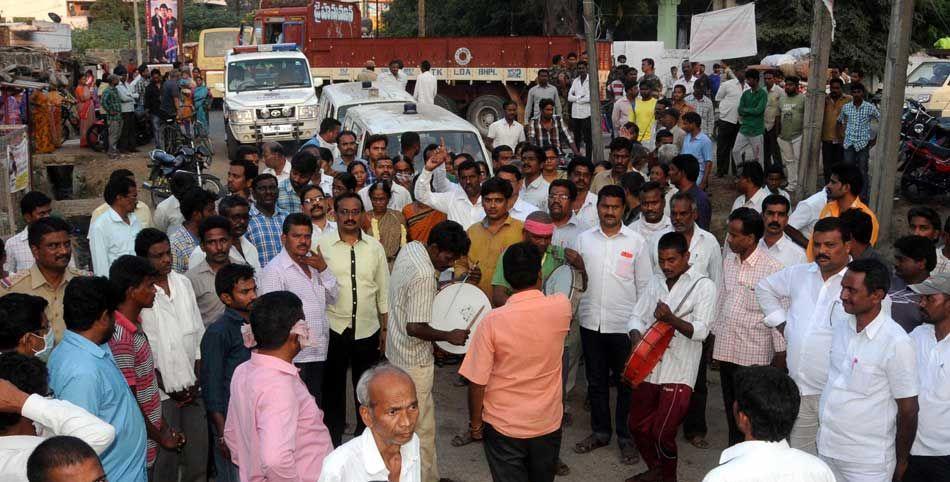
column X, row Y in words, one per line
column 646, row 355
column 458, row 306
column 565, row 279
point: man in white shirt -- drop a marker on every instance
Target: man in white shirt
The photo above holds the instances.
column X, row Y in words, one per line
column 802, row 220
column 750, row 182
column 518, row 208
column 64, row 459
column 767, row 402
column 395, row 77
column 705, row 254
column 389, row 408
column 679, row 298
column 174, row 329
column 535, row 191
column 506, row 131
column 617, row 260
column 242, row 251
column 930, row 454
column 22, row 383
column 113, row 234
column 33, row 206
column 775, row 242
column 810, row 292
column 385, row 171
column 579, row 97
column 426, row 85
column 313, row 202
column 167, row 217
column 581, row 172
column 463, row 206
column 276, row 161
column 868, row 409
column 730, row 91
column 652, row 220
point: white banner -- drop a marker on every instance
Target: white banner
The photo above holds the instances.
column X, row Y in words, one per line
column 723, row 34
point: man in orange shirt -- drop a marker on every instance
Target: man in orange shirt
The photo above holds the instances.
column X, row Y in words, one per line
column 844, row 192
column 514, row 366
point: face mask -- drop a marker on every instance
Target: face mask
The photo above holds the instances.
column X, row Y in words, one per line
column 48, row 341
column 304, row 335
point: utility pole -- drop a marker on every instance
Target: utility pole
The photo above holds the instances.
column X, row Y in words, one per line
column 138, row 33
column 884, row 155
column 422, row 18
column 814, row 100
column 595, row 151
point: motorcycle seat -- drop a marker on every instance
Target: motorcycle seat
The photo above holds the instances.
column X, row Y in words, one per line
column 943, row 125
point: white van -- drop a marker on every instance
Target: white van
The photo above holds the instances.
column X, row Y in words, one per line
column 337, row 99
column 929, row 84
column 431, row 122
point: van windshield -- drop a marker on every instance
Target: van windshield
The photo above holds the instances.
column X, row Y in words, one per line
column 267, row 74
column 929, row 74
column 343, row 109
column 455, row 141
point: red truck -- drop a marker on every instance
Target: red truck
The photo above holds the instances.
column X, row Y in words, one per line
column 476, row 74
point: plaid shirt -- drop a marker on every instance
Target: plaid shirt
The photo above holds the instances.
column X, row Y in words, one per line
column 558, row 135
column 183, row 243
column 706, row 112
column 111, row 104
column 287, row 199
column 264, row 232
column 741, row 336
column 857, row 124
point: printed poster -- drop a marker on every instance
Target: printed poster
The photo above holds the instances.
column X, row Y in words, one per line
column 163, row 30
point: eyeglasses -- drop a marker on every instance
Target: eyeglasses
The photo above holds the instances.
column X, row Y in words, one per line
column 312, row 200
column 558, row 197
column 349, row 213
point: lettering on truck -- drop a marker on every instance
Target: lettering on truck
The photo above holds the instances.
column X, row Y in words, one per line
column 332, row 12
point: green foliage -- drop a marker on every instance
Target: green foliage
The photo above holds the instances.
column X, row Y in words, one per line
column 197, row 17
column 102, row 35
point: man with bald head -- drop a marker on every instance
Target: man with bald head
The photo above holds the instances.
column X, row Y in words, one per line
column 389, row 408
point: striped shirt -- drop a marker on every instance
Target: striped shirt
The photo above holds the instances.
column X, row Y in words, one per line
column 704, row 107
column 264, row 231
column 315, row 290
column 558, row 135
column 287, row 199
column 133, row 356
column 412, row 288
column 857, row 124
column 182, row 243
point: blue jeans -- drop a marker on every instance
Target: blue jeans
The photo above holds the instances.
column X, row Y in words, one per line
column 860, row 157
column 157, row 131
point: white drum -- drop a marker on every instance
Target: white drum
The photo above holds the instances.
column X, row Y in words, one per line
column 565, row 279
column 458, row 306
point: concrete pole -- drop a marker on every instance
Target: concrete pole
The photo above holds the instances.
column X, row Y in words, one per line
column 884, row 155
column 422, row 18
column 666, row 22
column 138, row 32
column 814, row 101
column 596, row 150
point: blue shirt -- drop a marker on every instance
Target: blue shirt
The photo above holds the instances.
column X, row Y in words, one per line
column 182, row 244
column 287, row 199
column 222, row 350
column 857, row 124
column 701, row 148
column 264, row 232
column 85, row 374
column 109, row 238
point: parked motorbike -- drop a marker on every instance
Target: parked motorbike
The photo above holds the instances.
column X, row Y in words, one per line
column 194, row 161
column 925, row 153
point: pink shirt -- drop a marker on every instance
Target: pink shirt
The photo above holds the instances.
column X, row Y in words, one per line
column 274, row 428
column 516, row 353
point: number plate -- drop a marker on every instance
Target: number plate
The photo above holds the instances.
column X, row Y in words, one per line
column 277, row 129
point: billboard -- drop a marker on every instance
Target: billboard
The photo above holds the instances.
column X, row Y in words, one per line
column 163, row 30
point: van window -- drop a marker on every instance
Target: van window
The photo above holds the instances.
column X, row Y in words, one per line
column 929, row 74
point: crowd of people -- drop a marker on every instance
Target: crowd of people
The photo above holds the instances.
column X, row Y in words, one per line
column 228, row 326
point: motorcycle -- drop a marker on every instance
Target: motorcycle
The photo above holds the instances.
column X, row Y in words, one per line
column 925, row 154
column 193, row 161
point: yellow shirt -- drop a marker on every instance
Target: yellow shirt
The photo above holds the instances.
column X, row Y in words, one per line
column 372, row 283
column 32, row 282
column 487, row 247
column 644, row 116
column 831, row 210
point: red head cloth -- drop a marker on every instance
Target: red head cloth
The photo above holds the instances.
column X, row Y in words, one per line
column 538, row 228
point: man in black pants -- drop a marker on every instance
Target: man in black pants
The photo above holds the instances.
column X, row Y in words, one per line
column 358, row 316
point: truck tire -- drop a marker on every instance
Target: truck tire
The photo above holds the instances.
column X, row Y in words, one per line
column 447, row 103
column 485, row 110
column 232, row 143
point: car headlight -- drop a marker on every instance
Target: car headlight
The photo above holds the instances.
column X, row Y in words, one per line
column 924, row 98
column 918, row 129
column 241, row 116
column 307, row 112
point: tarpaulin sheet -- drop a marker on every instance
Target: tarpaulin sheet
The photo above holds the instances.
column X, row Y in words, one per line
column 723, row 34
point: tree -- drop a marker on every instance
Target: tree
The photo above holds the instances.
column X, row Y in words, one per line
column 197, row 17
column 111, row 26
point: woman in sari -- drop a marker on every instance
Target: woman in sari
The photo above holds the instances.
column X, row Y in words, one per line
column 386, row 225
column 86, row 105
column 202, row 99
column 186, row 110
column 41, row 119
column 420, row 219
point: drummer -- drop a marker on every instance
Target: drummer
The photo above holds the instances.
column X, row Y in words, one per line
column 538, row 230
column 680, row 298
column 412, row 289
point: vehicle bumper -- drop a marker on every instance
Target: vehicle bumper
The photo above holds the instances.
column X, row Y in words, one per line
column 286, row 131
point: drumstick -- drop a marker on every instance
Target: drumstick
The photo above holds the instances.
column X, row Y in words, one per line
column 463, row 280
column 470, row 323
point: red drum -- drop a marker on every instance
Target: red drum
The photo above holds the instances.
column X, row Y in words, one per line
column 648, row 352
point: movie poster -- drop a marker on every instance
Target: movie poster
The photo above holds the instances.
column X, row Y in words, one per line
column 163, row 30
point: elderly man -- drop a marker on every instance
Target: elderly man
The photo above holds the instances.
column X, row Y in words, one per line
column 389, row 408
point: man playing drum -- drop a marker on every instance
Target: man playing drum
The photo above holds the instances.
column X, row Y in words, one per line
column 683, row 299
